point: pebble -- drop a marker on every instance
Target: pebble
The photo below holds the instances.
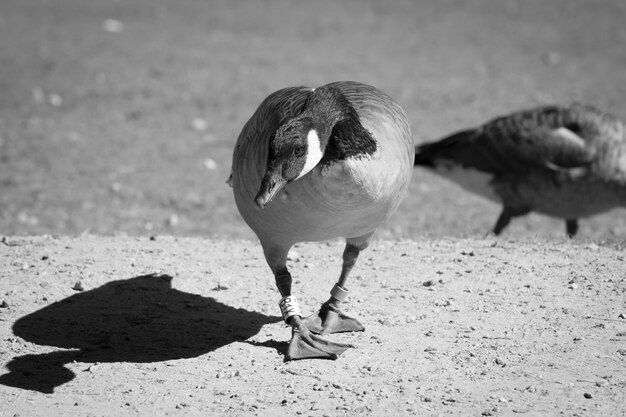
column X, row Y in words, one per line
column 39, row 96
column 210, row 164
column 587, row 395
column 551, row 58
column 113, row 26
column 78, row 286
column 199, row 124
column 91, row 368
column 173, row 220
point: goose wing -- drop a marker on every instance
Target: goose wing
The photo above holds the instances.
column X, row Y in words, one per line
column 554, row 138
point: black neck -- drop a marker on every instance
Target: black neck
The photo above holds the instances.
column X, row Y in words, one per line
column 347, row 138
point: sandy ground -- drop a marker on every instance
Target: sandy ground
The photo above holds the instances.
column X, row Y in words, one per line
column 117, row 122
column 182, row 326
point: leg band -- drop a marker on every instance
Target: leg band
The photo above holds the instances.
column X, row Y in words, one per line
column 289, row 307
column 339, row 293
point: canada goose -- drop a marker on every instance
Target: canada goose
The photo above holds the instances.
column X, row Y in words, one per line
column 566, row 162
column 315, row 164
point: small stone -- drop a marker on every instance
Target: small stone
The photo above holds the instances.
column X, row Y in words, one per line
column 428, row 283
column 621, row 316
column 199, row 124
column 113, row 26
column 531, row 388
column 115, row 187
column 78, row 286
column 91, row 368
column 602, row 383
column 587, row 395
column 551, row 58
column 4, row 304
column 210, row 164
column 173, row 220
column 572, row 286
column 39, row 96
column 427, row 400
column 220, row 287
column 55, row 100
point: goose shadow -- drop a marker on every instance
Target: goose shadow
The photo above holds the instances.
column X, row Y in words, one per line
column 141, row 319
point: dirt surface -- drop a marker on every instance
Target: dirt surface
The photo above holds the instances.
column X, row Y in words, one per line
column 117, row 122
column 183, row 326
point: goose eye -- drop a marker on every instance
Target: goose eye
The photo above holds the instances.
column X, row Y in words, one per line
column 298, row 150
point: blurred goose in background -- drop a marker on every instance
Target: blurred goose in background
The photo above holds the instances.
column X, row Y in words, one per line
column 566, row 162
column 315, row 164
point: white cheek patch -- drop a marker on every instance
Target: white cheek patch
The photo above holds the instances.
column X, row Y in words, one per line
column 314, row 152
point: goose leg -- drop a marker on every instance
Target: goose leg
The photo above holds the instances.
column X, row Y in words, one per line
column 505, row 217
column 330, row 318
column 304, row 343
column 571, row 226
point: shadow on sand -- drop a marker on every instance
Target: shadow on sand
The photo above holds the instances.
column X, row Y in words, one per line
column 142, row 319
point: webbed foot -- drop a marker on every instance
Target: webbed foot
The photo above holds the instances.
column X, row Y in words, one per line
column 330, row 320
column 305, row 345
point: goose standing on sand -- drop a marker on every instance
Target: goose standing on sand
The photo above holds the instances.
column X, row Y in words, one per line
column 314, row 164
column 566, row 162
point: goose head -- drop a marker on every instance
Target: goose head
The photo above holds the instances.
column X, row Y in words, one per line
column 300, row 142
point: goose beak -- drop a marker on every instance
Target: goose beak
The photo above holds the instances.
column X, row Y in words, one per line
column 270, row 185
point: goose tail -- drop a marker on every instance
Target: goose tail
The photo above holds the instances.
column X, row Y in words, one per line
column 426, row 154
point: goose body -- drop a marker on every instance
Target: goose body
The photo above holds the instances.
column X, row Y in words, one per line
column 565, row 162
column 317, row 164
